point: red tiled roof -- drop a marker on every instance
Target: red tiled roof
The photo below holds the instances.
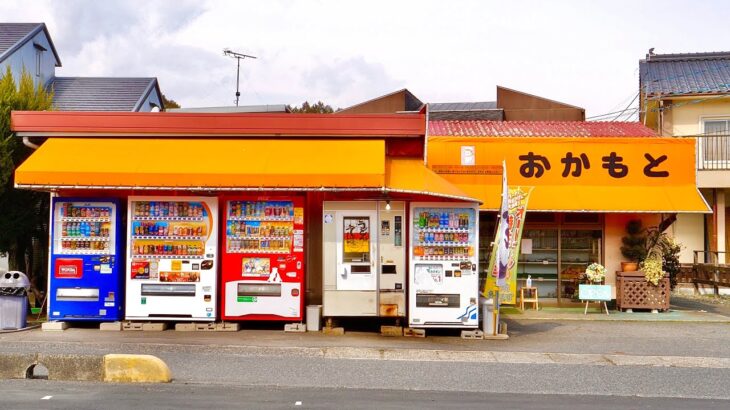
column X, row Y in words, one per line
column 538, row 129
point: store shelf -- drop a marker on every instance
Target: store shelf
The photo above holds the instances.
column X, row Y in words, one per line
column 261, row 218
column 168, row 238
column 260, row 251
column 84, row 219
column 86, row 238
column 169, row 218
column 150, row 256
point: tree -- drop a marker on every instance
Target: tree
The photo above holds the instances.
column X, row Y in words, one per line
column 169, row 103
column 23, row 214
column 306, row 108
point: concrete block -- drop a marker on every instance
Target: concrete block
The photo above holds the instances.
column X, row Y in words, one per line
column 472, row 334
column 135, row 368
column 72, row 367
column 206, row 327
column 391, row 331
column 502, row 328
column 154, row 327
column 411, row 332
column 15, row 365
column 334, row 331
column 54, row 326
column 184, row 327
column 111, row 326
column 227, row 327
column 295, row 327
column 132, row 326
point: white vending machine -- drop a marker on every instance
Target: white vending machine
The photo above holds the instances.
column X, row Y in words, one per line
column 364, row 258
column 444, row 280
column 172, row 256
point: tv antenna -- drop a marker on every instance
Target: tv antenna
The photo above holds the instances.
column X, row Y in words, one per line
column 238, row 57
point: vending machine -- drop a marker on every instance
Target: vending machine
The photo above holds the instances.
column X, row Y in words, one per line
column 172, row 250
column 85, row 280
column 364, row 258
column 444, row 280
column 263, row 259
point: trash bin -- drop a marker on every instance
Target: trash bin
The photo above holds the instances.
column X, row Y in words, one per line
column 489, row 321
column 13, row 300
column 314, row 318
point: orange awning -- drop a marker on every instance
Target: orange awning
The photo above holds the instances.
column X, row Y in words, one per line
column 411, row 176
column 568, row 198
column 197, row 163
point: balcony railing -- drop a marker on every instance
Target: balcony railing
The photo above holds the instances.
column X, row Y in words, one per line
column 713, row 152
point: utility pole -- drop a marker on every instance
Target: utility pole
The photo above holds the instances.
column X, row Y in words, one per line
column 238, row 57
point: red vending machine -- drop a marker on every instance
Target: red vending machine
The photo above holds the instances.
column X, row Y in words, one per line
column 263, row 259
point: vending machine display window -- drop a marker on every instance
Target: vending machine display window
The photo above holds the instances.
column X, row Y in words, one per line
column 263, row 261
column 356, row 239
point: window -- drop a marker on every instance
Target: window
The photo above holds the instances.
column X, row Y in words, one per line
column 39, row 49
column 714, row 144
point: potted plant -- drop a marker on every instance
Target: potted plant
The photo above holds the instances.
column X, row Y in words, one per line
column 634, row 245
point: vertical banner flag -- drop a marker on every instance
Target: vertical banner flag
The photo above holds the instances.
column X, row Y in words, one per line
column 502, row 271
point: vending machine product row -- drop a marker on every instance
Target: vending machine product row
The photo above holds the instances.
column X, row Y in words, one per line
column 85, row 280
column 444, row 281
column 263, row 259
column 172, row 245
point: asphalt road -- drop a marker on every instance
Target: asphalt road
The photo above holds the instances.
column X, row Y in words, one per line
column 64, row 395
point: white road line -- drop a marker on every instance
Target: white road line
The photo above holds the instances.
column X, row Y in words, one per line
column 46, row 397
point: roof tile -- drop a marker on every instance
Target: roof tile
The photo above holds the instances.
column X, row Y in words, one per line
column 538, row 129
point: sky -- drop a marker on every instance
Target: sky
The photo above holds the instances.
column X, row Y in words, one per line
column 584, row 53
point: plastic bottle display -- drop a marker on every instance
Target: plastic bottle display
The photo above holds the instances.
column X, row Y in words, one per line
column 442, row 234
column 84, row 229
column 168, row 228
column 167, row 209
column 260, row 226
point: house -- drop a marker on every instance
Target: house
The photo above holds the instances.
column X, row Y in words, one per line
column 29, row 46
column 511, row 105
column 688, row 96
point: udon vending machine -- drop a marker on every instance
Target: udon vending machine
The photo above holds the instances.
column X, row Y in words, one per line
column 172, row 249
column 263, row 259
column 444, row 280
column 364, row 258
column 85, row 281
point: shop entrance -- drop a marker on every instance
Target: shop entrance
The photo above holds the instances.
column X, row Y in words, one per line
column 555, row 251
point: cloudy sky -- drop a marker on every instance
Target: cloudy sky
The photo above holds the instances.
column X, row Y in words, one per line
column 342, row 52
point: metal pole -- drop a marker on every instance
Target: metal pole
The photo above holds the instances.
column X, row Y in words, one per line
column 238, row 72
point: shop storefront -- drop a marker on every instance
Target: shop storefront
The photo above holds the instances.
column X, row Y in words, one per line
column 584, row 191
column 252, row 217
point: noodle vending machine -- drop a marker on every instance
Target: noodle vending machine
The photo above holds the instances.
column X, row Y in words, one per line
column 85, row 280
column 364, row 259
column 444, row 280
column 263, row 259
column 171, row 258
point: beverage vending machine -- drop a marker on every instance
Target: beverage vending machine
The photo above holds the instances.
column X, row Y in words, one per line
column 85, row 280
column 444, row 280
column 263, row 259
column 172, row 247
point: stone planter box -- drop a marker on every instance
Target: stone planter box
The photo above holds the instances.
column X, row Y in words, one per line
column 634, row 292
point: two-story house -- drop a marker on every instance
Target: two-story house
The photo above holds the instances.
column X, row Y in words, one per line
column 29, row 46
column 688, row 96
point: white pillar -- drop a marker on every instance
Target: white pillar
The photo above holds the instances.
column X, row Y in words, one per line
column 720, row 224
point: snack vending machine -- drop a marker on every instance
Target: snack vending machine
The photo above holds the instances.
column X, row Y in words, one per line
column 444, row 280
column 364, row 258
column 172, row 246
column 263, row 259
column 85, row 282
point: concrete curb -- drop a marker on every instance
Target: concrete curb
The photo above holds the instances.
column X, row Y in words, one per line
column 135, row 368
column 70, row 367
